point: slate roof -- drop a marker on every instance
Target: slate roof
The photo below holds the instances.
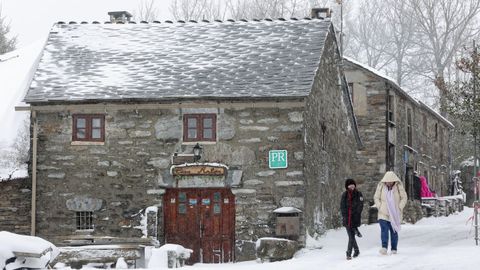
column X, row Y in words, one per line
column 158, row 61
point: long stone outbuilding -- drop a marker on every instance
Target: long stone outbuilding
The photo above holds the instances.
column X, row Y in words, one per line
column 399, row 133
column 190, row 133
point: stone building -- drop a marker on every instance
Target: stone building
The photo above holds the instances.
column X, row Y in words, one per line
column 189, row 133
column 15, row 206
column 399, row 133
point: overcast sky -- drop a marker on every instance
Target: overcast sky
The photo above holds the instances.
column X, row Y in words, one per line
column 31, row 20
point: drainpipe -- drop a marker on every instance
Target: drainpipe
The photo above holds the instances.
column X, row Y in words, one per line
column 34, row 173
column 387, row 133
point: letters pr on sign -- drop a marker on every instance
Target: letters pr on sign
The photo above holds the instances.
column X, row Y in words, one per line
column 277, row 159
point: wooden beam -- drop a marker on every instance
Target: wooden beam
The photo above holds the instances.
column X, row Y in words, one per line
column 154, row 106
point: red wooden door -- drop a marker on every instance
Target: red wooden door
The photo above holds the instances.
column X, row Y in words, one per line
column 202, row 220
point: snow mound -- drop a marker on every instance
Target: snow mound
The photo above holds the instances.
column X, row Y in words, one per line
column 29, row 251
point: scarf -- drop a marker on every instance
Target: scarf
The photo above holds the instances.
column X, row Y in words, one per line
column 392, row 209
column 349, row 206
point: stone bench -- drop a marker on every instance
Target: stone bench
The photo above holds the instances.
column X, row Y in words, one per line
column 77, row 256
column 79, row 250
column 442, row 206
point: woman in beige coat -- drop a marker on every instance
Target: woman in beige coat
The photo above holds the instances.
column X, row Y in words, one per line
column 390, row 199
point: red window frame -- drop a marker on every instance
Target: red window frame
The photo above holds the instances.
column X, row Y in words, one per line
column 199, row 127
column 88, row 127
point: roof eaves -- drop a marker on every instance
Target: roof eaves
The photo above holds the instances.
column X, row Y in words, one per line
column 437, row 115
column 383, row 77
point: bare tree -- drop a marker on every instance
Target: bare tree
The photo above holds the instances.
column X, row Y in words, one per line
column 243, row 9
column 368, row 31
column 443, row 26
column 189, row 9
column 21, row 145
column 250, row 9
column 7, row 44
column 146, row 11
column 400, row 32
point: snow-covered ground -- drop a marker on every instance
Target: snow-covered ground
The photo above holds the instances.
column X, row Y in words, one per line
column 431, row 243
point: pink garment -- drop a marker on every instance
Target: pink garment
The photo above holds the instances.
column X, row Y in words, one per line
column 425, row 191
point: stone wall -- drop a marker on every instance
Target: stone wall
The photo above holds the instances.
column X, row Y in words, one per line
column 330, row 145
column 428, row 154
column 130, row 172
column 15, row 204
column 370, row 107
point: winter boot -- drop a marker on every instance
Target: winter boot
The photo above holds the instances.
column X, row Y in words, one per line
column 349, row 255
column 394, row 252
column 383, row 251
column 356, row 253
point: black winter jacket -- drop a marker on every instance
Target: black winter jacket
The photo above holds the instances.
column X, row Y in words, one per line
column 356, row 207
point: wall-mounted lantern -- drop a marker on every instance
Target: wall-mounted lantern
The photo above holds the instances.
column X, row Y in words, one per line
column 197, row 152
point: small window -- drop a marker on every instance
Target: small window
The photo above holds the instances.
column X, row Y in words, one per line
column 409, row 127
column 199, row 127
column 391, row 157
column 436, row 131
column 84, row 220
column 324, row 134
column 425, row 124
column 442, row 153
column 88, row 127
column 217, row 197
column 217, row 209
column 182, row 208
column 391, row 109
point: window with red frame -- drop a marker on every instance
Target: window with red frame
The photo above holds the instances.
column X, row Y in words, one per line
column 199, row 127
column 88, row 127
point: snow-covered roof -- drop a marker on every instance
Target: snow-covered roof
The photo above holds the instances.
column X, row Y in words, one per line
column 16, row 72
column 160, row 61
column 399, row 89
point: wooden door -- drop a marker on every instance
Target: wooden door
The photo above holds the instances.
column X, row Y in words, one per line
column 202, row 220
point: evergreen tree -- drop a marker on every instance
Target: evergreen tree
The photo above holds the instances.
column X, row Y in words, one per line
column 464, row 104
column 6, row 43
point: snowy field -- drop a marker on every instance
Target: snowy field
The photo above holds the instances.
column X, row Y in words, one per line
column 432, row 243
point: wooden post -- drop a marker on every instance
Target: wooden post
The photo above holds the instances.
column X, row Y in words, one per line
column 34, row 173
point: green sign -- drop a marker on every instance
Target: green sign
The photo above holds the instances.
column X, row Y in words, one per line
column 277, row 159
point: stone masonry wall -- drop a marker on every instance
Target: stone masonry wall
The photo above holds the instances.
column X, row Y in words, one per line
column 130, row 172
column 370, row 163
column 431, row 153
column 330, row 145
column 15, row 204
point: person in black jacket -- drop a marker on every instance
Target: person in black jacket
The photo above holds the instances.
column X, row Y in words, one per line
column 351, row 206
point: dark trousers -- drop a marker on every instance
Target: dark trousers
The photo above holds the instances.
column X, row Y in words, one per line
column 352, row 242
